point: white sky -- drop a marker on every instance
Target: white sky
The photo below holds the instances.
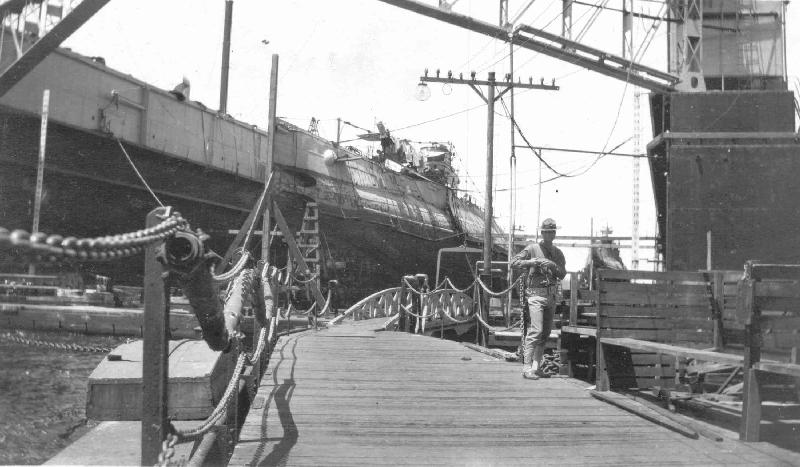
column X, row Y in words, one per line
column 361, row 60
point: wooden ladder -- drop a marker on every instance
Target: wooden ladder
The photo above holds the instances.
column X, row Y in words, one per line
column 308, row 237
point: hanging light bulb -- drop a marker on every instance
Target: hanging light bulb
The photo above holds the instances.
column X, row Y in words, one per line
column 447, row 89
column 423, row 92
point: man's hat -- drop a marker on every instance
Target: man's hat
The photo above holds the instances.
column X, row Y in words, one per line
column 548, row 225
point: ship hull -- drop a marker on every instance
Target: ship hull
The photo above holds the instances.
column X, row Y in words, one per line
column 91, row 189
column 116, row 147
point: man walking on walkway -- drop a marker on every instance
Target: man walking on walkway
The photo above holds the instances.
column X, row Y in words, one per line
column 544, row 267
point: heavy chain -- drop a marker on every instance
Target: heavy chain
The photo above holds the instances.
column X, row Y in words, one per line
column 464, row 290
column 53, row 345
column 54, row 248
column 167, row 450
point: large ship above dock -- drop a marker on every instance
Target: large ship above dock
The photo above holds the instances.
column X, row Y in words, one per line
column 380, row 216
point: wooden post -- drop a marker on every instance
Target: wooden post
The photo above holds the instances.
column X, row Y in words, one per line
column 413, row 320
column 573, row 299
column 719, row 304
column 155, row 351
column 226, row 54
column 272, row 128
column 37, row 203
column 263, row 200
column 401, row 320
column 602, row 381
column 749, row 430
column 512, row 163
column 751, row 392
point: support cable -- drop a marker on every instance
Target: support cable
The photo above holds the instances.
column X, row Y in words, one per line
column 139, row 174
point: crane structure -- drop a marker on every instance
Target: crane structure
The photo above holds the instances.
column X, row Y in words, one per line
column 737, row 47
column 554, row 46
column 34, row 28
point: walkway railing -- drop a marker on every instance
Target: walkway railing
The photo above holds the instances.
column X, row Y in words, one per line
column 176, row 255
column 413, row 307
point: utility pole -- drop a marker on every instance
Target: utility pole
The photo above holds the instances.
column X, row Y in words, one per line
column 490, row 98
column 512, row 160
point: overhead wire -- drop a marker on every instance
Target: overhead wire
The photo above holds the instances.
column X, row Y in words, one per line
column 591, row 20
column 536, row 153
column 439, row 118
column 643, row 47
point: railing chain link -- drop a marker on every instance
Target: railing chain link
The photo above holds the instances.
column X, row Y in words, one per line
column 53, row 345
column 55, row 248
column 167, row 450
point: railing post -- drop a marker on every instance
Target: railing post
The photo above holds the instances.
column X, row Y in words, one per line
column 314, row 314
column 476, row 307
column 488, row 281
column 422, row 280
column 718, row 293
column 573, row 299
column 155, row 349
column 749, row 430
column 401, row 321
column 416, row 306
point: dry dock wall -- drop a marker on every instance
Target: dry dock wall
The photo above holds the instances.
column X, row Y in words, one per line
column 726, row 163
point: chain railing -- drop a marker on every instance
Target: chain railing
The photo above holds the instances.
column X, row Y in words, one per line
column 42, row 247
column 36, row 341
column 175, row 255
column 413, row 307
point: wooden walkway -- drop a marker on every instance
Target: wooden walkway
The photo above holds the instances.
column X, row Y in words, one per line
column 351, row 396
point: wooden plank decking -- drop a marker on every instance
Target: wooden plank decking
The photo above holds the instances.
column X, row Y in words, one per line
column 351, row 396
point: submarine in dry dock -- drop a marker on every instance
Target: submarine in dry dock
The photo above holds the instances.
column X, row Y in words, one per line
column 377, row 216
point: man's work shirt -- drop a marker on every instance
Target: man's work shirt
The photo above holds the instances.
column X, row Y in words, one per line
column 538, row 277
